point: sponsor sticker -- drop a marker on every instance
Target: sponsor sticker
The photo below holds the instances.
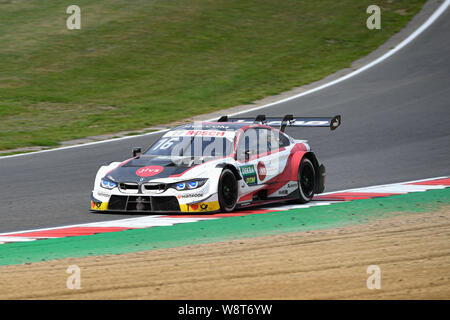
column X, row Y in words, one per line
column 250, row 181
column 198, row 207
column 191, row 195
column 209, row 133
column 99, row 205
column 262, row 171
column 193, row 207
column 201, row 133
column 249, row 174
column 102, row 194
column 149, row 171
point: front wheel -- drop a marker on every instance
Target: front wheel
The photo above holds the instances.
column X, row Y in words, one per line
column 227, row 191
column 306, row 181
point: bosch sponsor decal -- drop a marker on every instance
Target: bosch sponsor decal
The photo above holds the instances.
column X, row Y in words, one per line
column 201, row 133
column 262, row 171
column 209, row 133
column 249, row 174
column 149, row 171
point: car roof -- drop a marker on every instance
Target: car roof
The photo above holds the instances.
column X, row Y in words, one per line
column 222, row 126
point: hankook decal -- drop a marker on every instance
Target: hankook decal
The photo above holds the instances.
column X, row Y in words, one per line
column 191, row 195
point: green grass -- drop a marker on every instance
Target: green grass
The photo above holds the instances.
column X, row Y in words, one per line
column 140, row 63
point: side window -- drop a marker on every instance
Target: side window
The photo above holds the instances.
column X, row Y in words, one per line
column 284, row 141
column 260, row 141
column 265, row 140
column 248, row 144
column 270, row 140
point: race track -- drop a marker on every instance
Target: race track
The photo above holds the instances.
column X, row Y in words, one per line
column 395, row 128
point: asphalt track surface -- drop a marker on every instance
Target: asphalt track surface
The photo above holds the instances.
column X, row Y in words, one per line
column 395, row 127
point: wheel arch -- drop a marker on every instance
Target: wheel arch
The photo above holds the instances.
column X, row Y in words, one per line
column 318, row 168
column 232, row 168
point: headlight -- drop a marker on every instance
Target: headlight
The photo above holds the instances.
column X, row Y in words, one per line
column 192, row 184
column 108, row 184
column 180, row 186
column 189, row 185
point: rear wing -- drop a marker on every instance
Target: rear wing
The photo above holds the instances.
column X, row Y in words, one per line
column 289, row 121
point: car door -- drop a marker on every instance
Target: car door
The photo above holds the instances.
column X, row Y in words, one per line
column 262, row 154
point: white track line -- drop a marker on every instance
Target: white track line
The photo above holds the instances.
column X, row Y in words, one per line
column 398, row 188
column 15, row 239
column 144, row 222
column 68, row 226
column 397, row 48
column 383, row 185
column 141, row 222
column 313, row 203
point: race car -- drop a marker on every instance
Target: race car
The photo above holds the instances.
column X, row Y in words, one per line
column 217, row 166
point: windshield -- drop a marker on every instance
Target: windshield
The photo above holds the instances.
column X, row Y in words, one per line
column 193, row 143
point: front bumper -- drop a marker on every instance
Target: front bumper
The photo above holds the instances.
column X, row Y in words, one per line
column 152, row 204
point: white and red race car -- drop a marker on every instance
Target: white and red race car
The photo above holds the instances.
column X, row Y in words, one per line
column 215, row 167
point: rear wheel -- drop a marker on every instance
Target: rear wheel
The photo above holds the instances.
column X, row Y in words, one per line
column 227, row 191
column 306, row 181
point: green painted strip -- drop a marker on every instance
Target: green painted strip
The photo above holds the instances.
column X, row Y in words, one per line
column 336, row 215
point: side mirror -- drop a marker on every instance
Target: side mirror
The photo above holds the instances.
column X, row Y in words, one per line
column 248, row 154
column 137, row 152
column 245, row 155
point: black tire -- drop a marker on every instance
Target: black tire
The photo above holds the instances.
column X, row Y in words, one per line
column 306, row 181
column 227, row 191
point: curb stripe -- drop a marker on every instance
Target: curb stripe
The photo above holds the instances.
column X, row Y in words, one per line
column 169, row 220
column 445, row 182
column 69, row 232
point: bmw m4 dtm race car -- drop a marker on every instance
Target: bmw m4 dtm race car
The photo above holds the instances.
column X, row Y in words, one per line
column 215, row 167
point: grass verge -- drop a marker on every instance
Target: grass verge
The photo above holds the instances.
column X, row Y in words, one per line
column 313, row 218
column 140, row 63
